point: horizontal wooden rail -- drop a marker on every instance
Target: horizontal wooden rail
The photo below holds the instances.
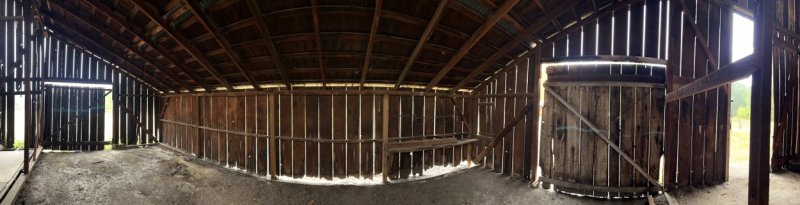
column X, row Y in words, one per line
column 336, row 141
column 727, row 74
column 349, row 92
column 605, row 84
column 606, row 58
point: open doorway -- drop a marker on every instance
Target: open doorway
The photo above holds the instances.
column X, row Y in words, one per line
column 742, row 46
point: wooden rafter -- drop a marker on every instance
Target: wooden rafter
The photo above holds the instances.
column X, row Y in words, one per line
column 267, row 37
column 522, row 37
column 476, row 36
column 159, row 50
column 114, row 37
column 422, row 40
column 698, row 33
column 209, row 25
column 318, row 40
column 376, row 18
column 104, row 48
column 182, row 42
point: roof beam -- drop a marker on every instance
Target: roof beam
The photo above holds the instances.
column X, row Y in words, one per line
column 267, row 37
column 137, row 32
column 102, row 47
column 115, row 38
column 476, row 36
column 318, row 39
column 376, row 18
column 422, row 40
column 209, row 25
column 182, row 42
column 522, row 36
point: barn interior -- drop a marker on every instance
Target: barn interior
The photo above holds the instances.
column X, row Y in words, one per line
column 393, row 101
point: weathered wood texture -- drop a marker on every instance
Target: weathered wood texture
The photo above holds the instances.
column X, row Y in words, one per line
column 326, row 136
column 696, row 147
column 489, row 115
column 786, row 141
column 74, row 116
column 628, row 115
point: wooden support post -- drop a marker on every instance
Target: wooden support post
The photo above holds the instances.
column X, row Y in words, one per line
column 758, row 181
column 532, row 128
column 385, row 141
column 198, row 116
column 273, row 163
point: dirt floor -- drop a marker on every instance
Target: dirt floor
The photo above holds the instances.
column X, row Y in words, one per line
column 784, row 188
column 157, row 175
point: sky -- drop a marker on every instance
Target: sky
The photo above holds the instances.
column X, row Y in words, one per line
column 742, row 41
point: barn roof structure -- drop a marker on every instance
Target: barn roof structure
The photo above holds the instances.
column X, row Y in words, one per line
column 210, row 44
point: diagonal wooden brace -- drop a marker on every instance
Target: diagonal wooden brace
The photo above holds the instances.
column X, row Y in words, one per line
column 603, row 136
column 488, row 147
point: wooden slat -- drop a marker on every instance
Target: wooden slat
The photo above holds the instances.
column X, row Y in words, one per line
column 422, row 40
column 267, row 37
column 476, row 36
column 376, row 17
column 133, row 29
column 146, row 9
column 209, row 25
column 318, row 40
column 522, row 37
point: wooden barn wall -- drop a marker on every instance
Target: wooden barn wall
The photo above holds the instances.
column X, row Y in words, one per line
column 786, row 142
column 489, row 115
column 68, row 62
column 315, row 135
column 636, row 31
column 696, row 148
column 136, row 110
column 74, row 118
column 19, row 71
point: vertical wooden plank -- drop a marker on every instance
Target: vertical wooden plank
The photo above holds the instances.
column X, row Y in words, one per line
column 587, row 106
column 498, row 121
column 428, row 106
column 260, row 126
column 385, row 136
column 273, row 162
column 601, row 160
column 326, row 132
column 366, row 132
column 559, row 117
column 251, row 142
column 352, row 133
column 377, row 123
column 339, row 132
column 405, row 158
column 393, row 128
column 642, row 132
column 417, row 125
column 298, row 132
column 572, row 139
column 285, row 129
column 312, row 120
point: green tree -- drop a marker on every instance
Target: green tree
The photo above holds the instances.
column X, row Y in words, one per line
column 743, row 113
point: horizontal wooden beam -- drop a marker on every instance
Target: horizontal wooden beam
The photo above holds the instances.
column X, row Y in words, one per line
column 607, row 58
column 725, row 75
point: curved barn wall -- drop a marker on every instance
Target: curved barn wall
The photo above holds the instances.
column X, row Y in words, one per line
column 325, row 134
